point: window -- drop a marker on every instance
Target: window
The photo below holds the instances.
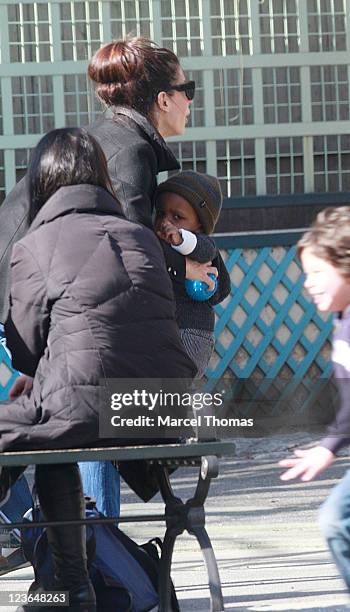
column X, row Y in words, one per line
column 329, row 93
column 282, row 95
column 326, row 23
column 332, row 163
column 279, row 26
column 21, row 162
column 197, row 116
column 32, row 100
column 81, row 29
column 236, row 167
column 190, row 155
column 1, row 124
column 182, row 28
column 80, row 103
column 29, row 27
column 2, row 177
column 231, row 27
column 284, row 165
column 131, row 16
column 233, row 90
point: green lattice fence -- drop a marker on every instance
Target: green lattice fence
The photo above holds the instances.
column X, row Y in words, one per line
column 269, row 335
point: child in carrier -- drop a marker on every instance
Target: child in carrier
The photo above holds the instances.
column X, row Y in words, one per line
column 188, row 205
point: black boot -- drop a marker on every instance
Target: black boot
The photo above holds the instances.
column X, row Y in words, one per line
column 61, row 498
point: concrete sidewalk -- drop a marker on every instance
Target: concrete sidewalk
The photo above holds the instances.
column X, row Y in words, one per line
column 271, row 556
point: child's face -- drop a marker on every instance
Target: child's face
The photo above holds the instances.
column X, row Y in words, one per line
column 329, row 290
column 176, row 210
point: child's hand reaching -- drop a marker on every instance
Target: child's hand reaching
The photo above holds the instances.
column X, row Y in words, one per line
column 169, row 232
column 307, row 464
column 22, row 386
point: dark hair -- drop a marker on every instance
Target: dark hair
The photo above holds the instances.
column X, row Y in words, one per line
column 329, row 238
column 67, row 156
column 132, row 72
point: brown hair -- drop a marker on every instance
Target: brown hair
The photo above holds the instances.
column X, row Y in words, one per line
column 132, row 72
column 329, row 238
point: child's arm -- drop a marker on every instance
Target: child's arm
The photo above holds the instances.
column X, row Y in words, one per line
column 309, row 463
column 224, row 281
column 198, row 247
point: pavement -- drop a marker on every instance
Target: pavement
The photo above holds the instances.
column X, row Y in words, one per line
column 270, row 554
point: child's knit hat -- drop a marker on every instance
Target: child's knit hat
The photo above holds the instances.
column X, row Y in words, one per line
column 202, row 191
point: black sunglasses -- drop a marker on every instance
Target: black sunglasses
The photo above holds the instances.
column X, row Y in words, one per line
column 189, row 87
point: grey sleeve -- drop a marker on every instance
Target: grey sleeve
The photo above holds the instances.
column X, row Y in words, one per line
column 205, row 250
column 224, row 281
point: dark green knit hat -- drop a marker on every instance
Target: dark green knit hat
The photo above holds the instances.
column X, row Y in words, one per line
column 202, row 191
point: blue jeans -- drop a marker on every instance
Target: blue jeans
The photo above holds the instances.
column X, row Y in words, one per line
column 334, row 520
column 101, row 481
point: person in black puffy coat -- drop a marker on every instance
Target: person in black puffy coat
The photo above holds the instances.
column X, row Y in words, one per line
column 90, row 299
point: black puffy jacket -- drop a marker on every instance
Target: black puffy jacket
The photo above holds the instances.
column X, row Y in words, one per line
column 90, row 298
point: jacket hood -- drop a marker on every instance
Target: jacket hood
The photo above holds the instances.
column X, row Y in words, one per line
column 75, row 199
column 166, row 158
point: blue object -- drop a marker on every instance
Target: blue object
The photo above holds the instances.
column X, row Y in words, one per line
column 8, row 374
column 198, row 290
column 20, row 496
column 124, row 575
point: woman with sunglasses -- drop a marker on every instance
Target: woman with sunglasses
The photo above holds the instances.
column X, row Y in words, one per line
column 148, row 99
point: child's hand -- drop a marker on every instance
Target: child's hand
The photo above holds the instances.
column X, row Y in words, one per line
column 307, row 463
column 200, row 271
column 169, row 232
column 22, row 386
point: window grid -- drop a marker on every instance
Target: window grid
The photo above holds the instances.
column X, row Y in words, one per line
column 134, row 16
column 279, row 26
column 30, row 34
column 284, row 165
column 231, row 27
column 236, row 167
column 282, row 95
column 332, row 163
column 326, row 25
column 80, row 104
column 197, row 116
column 233, row 94
column 191, row 155
column 329, row 93
column 2, row 176
column 22, row 157
column 33, row 108
column 182, row 26
column 1, row 112
column 81, row 29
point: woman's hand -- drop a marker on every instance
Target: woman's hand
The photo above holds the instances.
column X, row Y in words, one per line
column 200, row 271
column 169, row 232
column 307, row 464
column 22, row 386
